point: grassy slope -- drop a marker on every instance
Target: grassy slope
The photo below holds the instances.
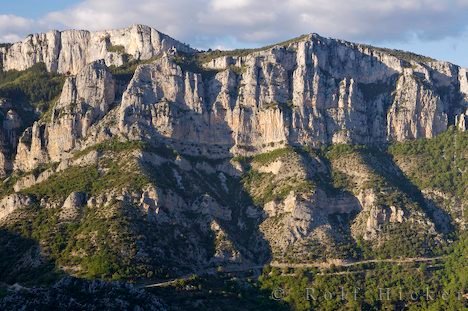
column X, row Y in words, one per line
column 439, row 163
column 114, row 232
column 94, row 242
column 419, row 279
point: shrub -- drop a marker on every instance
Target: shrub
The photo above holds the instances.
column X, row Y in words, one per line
column 31, row 89
column 116, row 49
column 441, row 161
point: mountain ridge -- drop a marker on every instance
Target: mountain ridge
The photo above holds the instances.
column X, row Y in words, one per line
column 6, row 46
column 135, row 159
column 69, row 50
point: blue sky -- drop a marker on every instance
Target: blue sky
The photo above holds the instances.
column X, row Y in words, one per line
column 430, row 27
column 33, row 8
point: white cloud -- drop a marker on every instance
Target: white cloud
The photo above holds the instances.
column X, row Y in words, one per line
column 13, row 28
column 205, row 23
column 229, row 4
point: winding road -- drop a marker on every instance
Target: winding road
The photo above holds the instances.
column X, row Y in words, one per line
column 231, row 269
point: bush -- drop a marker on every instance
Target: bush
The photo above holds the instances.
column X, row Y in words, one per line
column 34, row 88
column 116, row 49
column 440, row 162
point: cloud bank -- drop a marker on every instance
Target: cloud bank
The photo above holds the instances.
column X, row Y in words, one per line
column 231, row 23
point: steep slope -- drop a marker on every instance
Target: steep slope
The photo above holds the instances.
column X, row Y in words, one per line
column 178, row 162
column 310, row 92
column 438, row 167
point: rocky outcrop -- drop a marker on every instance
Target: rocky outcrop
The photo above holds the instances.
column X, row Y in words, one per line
column 300, row 216
column 73, row 205
column 312, row 92
column 10, row 126
column 225, row 250
column 85, row 99
column 71, row 50
column 203, row 205
column 378, row 217
column 13, row 202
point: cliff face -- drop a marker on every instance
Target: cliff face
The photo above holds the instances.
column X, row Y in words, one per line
column 198, row 114
column 311, row 92
column 85, row 99
column 69, row 51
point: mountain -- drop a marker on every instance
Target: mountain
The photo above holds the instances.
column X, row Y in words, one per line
column 127, row 155
column 69, row 51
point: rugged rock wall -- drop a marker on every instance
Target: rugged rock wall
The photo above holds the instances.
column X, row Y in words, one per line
column 311, row 91
column 299, row 206
column 10, row 124
column 69, row 51
column 85, row 99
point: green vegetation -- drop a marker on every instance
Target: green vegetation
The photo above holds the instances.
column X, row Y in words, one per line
column 372, row 286
column 42, row 168
column 21, row 237
column 31, row 89
column 89, row 179
column 238, row 70
column 404, row 55
column 365, row 287
column 97, row 241
column 61, row 184
column 112, row 172
column 405, row 240
column 340, row 150
column 269, row 157
column 103, row 236
column 191, row 63
column 113, row 145
column 439, row 163
column 116, row 49
column 125, row 72
column 264, row 158
column 391, row 189
column 263, row 188
column 206, row 57
column 222, row 291
column 92, row 243
column 6, row 187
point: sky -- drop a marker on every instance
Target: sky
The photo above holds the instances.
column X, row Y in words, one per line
column 435, row 28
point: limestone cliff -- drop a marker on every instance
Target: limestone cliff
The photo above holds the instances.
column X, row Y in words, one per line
column 226, row 157
column 69, row 51
column 312, row 91
column 308, row 91
column 85, row 99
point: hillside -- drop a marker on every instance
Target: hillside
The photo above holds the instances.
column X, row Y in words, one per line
column 139, row 159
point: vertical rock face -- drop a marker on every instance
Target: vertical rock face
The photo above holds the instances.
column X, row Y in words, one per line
column 313, row 91
column 294, row 203
column 308, row 91
column 461, row 120
column 10, row 125
column 69, row 51
column 414, row 98
column 13, row 202
column 85, row 99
